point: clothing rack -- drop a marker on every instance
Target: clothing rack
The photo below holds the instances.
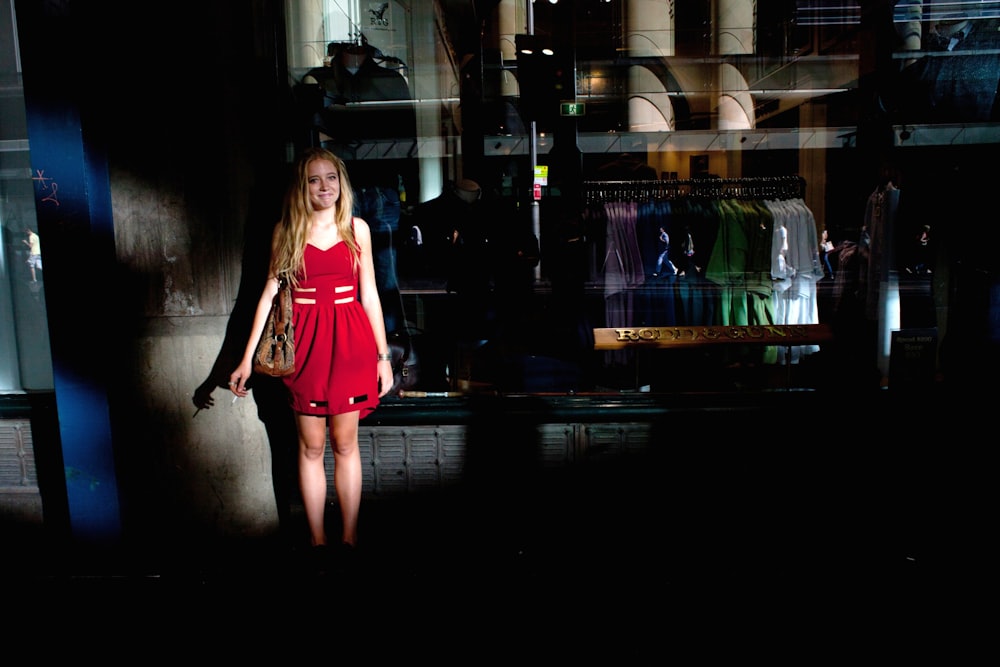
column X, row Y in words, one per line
column 747, row 187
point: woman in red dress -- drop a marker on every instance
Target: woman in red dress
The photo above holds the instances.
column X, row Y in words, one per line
column 341, row 352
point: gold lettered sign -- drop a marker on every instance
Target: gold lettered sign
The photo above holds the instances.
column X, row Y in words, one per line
column 685, row 336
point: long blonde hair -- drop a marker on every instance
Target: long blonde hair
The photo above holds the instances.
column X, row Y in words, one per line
column 288, row 245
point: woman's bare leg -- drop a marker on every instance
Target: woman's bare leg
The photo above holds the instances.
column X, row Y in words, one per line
column 312, row 474
column 347, row 472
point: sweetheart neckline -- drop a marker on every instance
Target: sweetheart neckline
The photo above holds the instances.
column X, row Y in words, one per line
column 326, row 249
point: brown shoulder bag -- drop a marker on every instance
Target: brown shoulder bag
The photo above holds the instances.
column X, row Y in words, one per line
column 275, row 354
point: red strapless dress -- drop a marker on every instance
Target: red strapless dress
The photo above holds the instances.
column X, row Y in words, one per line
column 335, row 350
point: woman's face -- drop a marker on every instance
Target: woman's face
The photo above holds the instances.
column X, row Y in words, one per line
column 324, row 184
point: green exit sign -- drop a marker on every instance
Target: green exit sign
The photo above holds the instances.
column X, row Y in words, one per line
column 572, row 108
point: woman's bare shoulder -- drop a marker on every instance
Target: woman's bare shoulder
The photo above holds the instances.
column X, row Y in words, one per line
column 360, row 225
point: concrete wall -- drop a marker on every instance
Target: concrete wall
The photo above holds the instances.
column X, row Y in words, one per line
column 208, row 473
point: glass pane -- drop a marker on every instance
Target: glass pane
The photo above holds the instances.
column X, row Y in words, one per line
column 25, row 359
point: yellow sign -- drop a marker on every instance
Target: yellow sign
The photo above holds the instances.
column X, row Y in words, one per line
column 541, row 174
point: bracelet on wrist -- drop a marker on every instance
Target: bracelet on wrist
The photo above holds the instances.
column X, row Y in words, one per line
column 384, row 356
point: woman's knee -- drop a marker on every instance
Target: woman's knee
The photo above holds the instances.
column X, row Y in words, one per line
column 344, row 443
column 312, row 437
column 344, row 437
column 312, row 449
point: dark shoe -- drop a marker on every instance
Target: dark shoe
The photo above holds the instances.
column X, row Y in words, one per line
column 348, row 560
column 318, row 560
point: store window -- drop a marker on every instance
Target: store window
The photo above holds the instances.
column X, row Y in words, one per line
column 660, row 196
column 25, row 359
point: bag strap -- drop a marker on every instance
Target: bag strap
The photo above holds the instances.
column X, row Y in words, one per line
column 284, row 295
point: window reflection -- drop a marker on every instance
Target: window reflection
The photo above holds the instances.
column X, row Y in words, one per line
column 25, row 359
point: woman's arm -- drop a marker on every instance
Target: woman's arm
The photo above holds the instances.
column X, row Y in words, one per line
column 238, row 378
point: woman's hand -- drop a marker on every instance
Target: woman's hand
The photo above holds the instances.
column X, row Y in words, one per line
column 384, row 377
column 238, row 380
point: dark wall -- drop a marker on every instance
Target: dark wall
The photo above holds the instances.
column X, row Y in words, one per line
column 192, row 99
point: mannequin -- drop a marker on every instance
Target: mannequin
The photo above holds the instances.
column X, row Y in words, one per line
column 958, row 81
column 455, row 226
column 354, row 57
column 353, row 76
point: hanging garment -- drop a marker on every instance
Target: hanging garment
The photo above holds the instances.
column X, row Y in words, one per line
column 795, row 301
